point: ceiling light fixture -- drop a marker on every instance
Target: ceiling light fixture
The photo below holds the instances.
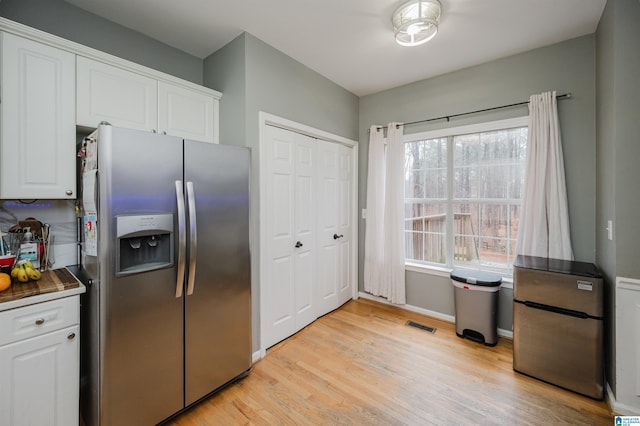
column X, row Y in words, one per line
column 416, row 22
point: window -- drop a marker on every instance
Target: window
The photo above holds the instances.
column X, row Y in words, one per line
column 463, row 190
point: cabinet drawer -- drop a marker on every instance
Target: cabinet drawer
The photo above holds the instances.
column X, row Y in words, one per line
column 34, row 320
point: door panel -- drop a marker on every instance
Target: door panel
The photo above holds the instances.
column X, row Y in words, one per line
column 345, row 266
column 40, row 380
column 559, row 349
column 186, row 113
column 304, row 206
column 38, row 125
column 143, row 320
column 291, row 234
column 328, row 224
column 218, row 313
column 279, row 288
column 121, row 97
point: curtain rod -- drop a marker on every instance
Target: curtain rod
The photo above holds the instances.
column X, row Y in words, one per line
column 448, row 117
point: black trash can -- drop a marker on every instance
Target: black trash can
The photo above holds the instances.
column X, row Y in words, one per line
column 476, row 304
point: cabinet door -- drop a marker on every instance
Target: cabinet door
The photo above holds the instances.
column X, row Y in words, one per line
column 40, row 380
column 186, row 113
column 120, row 97
column 38, row 127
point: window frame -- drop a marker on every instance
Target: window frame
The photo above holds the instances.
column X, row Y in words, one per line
column 504, row 124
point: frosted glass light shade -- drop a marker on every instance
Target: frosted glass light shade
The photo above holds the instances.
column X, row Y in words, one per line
column 416, row 22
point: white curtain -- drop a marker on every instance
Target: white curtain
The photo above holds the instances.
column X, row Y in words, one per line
column 544, row 216
column 384, row 237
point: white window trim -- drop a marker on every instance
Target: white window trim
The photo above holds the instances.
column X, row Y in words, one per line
column 507, row 280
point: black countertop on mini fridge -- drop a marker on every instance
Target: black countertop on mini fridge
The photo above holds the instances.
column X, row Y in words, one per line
column 561, row 266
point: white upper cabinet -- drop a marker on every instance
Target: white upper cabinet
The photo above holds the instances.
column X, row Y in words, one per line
column 38, row 135
column 129, row 99
column 108, row 93
column 186, row 113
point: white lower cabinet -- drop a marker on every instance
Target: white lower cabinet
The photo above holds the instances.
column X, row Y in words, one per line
column 39, row 364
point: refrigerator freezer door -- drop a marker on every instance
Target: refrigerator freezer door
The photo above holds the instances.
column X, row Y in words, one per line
column 559, row 349
column 218, row 312
column 141, row 319
column 573, row 292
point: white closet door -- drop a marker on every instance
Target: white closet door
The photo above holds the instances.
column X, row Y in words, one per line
column 346, row 207
column 334, row 225
column 305, row 230
column 291, row 239
column 328, row 225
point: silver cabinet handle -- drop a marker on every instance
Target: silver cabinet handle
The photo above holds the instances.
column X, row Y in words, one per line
column 40, row 321
column 193, row 233
column 164, row 132
column 68, row 192
column 182, row 238
column 71, row 336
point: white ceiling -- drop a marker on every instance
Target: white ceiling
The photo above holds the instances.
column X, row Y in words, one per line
column 351, row 41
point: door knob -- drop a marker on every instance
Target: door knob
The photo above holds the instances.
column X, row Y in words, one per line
column 336, row 236
column 298, row 244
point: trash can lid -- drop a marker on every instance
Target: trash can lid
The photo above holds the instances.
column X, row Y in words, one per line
column 476, row 277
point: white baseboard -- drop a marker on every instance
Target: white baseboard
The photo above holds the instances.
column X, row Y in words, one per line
column 437, row 315
column 618, row 407
column 257, row 356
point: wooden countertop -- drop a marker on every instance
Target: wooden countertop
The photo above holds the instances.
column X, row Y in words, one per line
column 54, row 283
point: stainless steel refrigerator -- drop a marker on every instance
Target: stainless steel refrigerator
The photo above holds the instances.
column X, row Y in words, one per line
column 558, row 323
column 166, row 318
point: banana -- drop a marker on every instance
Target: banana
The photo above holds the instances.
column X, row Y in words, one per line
column 25, row 271
column 33, row 274
column 22, row 275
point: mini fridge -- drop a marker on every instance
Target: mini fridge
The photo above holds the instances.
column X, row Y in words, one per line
column 558, row 323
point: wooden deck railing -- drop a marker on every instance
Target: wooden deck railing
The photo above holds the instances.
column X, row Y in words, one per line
column 425, row 238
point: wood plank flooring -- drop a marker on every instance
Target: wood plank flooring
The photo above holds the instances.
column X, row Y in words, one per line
column 361, row 365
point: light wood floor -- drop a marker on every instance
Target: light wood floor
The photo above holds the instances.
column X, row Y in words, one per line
column 361, row 365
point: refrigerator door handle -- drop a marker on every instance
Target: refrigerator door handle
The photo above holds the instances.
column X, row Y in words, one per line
column 193, row 232
column 182, row 238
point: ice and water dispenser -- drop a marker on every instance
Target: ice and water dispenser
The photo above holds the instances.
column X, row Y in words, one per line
column 144, row 243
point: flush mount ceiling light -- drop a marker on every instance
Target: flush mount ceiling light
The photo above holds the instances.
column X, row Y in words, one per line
column 416, row 22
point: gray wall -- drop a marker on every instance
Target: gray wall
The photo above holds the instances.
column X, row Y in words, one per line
column 72, row 23
column 254, row 77
column 618, row 148
column 225, row 70
column 564, row 67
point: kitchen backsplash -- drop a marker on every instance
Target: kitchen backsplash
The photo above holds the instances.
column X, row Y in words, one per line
column 60, row 214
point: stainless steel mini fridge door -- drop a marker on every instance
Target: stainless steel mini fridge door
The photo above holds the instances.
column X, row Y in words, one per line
column 560, row 349
column 218, row 289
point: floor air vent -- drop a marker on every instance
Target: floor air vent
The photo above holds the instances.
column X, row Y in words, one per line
column 420, row 326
